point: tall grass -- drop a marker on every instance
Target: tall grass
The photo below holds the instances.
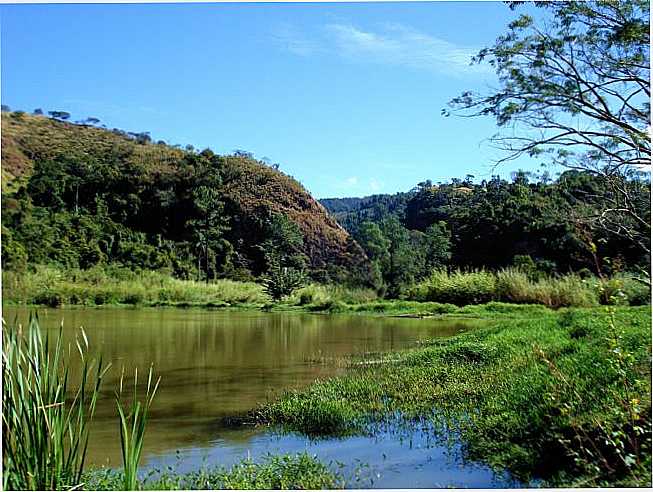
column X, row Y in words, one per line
column 318, row 295
column 132, row 429
column 45, row 432
column 459, row 288
column 53, row 286
column 514, row 286
column 570, row 290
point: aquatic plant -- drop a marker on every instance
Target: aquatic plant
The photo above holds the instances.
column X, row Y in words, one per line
column 45, row 431
column 132, row 428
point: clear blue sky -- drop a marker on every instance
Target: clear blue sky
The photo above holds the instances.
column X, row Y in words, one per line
column 346, row 97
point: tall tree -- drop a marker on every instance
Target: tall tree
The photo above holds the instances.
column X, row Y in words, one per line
column 208, row 226
column 576, row 86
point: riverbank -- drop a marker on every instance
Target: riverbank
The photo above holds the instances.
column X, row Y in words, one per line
column 563, row 397
column 442, row 293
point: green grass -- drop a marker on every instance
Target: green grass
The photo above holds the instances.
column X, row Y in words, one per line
column 564, row 396
column 97, row 287
column 300, row 471
column 511, row 285
column 45, row 418
column 132, row 428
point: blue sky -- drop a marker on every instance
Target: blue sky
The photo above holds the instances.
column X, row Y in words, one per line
column 345, row 97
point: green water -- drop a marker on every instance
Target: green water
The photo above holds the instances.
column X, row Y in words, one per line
column 215, row 364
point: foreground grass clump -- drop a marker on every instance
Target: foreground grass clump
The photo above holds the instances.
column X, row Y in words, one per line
column 45, row 418
column 564, row 397
column 97, row 286
column 515, row 286
column 300, row 471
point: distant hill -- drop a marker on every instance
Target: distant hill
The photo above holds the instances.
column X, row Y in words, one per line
column 350, row 212
column 148, row 187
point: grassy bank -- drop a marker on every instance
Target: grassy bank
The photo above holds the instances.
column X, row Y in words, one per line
column 441, row 293
column 564, row 396
column 512, row 285
column 300, row 471
column 97, row 286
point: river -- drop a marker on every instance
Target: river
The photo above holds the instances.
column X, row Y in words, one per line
column 215, row 364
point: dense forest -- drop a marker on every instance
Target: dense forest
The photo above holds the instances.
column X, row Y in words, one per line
column 531, row 222
column 78, row 196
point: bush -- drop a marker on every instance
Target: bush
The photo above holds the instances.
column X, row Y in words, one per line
column 624, row 289
column 282, row 282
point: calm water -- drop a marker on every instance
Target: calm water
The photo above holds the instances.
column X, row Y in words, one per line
column 216, row 364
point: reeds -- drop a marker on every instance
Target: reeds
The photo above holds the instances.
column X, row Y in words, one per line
column 507, row 285
column 132, row 428
column 53, row 286
column 45, row 430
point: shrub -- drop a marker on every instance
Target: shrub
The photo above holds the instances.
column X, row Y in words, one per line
column 282, row 282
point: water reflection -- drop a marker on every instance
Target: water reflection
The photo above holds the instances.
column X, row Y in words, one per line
column 215, row 364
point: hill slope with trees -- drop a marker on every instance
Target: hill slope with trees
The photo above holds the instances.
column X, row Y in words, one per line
column 76, row 195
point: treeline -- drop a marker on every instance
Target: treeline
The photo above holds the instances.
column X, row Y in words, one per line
column 542, row 226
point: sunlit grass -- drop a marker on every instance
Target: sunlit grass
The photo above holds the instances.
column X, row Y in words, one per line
column 555, row 396
column 45, row 418
column 94, row 287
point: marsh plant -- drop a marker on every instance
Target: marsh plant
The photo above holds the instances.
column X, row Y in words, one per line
column 132, row 421
column 45, row 420
column 46, row 416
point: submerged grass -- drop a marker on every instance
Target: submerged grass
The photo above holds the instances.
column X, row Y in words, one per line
column 564, row 397
column 300, row 471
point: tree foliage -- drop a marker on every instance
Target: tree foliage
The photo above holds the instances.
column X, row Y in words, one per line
column 576, row 86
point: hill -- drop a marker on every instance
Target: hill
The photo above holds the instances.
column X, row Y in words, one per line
column 60, row 178
column 350, row 212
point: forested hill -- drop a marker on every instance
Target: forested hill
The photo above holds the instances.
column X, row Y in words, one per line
column 553, row 225
column 78, row 195
column 351, row 211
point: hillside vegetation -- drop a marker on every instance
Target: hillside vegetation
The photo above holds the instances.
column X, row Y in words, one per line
column 545, row 227
column 77, row 196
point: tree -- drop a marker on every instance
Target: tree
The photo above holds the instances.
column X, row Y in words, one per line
column 208, row 226
column 59, row 115
column 38, row 111
column 436, row 245
column 283, row 244
column 400, row 270
column 91, row 120
column 577, row 89
column 5, row 108
column 376, row 246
